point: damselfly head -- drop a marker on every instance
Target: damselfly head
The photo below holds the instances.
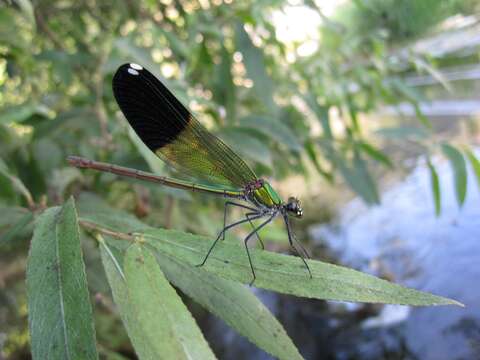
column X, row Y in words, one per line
column 293, row 207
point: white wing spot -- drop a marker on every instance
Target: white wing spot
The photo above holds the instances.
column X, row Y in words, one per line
column 132, row 71
column 136, row 66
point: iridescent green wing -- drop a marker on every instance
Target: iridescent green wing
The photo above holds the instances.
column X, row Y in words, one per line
column 173, row 133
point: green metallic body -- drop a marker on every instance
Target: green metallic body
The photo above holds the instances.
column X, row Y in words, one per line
column 267, row 196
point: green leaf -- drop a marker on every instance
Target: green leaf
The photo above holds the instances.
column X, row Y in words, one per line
column 352, row 110
column 59, row 309
column 436, row 74
column 413, row 97
column 94, row 210
column 48, row 155
column 272, row 129
column 224, row 88
column 147, row 335
column 178, row 47
column 286, row 274
column 129, row 50
column 116, row 279
column 9, row 29
column 435, row 184
column 17, row 229
column 402, row 132
column 421, row 116
column 232, row 302
column 16, row 182
column 358, row 178
column 152, row 160
column 62, row 178
column 11, row 215
column 375, row 154
column 364, row 177
column 255, row 64
column 475, row 164
column 20, row 113
column 459, row 168
column 165, row 321
column 312, row 154
column 321, row 112
column 247, row 145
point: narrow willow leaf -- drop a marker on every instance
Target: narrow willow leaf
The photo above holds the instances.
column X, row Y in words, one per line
column 376, row 154
column 322, row 114
column 48, row 155
column 129, row 50
column 16, row 182
column 17, row 113
column 177, row 45
column 272, row 129
column 94, row 210
column 313, row 156
column 363, row 175
column 475, row 164
column 59, row 309
column 233, row 303
column 163, row 317
column 413, row 97
column 421, row 116
column 247, row 145
column 358, row 178
column 435, row 184
column 224, row 88
column 116, row 279
column 10, row 215
column 352, row 110
column 152, row 160
column 459, row 168
column 9, row 31
column 255, row 64
column 287, row 274
column 230, row 301
column 61, row 178
column 402, row 132
column 17, row 229
column 421, row 64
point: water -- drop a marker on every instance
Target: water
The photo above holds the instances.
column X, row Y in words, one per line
column 404, row 241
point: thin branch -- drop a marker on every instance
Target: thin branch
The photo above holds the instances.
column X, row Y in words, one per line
column 118, row 235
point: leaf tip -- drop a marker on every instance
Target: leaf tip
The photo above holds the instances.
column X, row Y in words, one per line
column 447, row 301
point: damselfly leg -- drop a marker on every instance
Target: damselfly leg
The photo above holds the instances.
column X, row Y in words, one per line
column 243, row 206
column 222, row 233
column 248, row 238
column 291, row 238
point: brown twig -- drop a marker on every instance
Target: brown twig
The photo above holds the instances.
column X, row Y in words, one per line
column 42, row 25
column 93, row 227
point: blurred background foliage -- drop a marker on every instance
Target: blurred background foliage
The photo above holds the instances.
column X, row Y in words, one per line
column 292, row 92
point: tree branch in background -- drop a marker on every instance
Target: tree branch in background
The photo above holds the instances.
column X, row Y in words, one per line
column 43, row 27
